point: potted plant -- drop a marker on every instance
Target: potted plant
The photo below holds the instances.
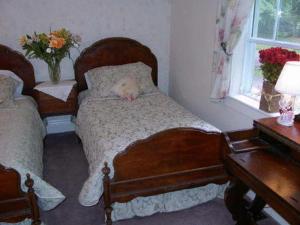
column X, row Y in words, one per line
column 51, row 48
column 272, row 61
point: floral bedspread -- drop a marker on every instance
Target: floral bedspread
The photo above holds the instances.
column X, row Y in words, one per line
column 21, row 148
column 107, row 126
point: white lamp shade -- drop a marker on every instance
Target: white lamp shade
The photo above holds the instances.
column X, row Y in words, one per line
column 289, row 79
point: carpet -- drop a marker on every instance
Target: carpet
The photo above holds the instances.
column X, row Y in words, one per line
column 66, row 168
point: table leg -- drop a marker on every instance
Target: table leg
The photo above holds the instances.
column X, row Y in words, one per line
column 256, row 207
column 236, row 204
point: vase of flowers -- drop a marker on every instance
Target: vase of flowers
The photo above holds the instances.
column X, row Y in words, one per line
column 51, row 48
column 54, row 71
column 272, row 61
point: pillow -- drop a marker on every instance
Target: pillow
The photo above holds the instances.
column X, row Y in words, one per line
column 87, row 80
column 102, row 79
column 127, row 88
column 20, row 84
column 7, row 89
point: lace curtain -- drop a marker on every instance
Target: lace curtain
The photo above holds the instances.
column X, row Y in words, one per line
column 232, row 16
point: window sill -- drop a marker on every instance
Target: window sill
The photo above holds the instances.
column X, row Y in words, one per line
column 247, row 106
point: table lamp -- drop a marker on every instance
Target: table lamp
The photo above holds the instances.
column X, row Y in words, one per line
column 288, row 84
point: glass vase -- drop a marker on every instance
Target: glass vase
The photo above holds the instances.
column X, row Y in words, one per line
column 54, row 72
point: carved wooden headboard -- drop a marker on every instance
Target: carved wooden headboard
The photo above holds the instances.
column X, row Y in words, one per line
column 113, row 51
column 17, row 63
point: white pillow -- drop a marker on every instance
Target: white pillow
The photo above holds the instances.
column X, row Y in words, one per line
column 19, row 88
column 7, row 88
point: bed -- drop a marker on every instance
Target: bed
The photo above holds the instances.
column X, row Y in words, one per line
column 22, row 190
column 152, row 163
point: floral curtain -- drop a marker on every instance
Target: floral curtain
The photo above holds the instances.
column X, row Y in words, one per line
column 232, row 15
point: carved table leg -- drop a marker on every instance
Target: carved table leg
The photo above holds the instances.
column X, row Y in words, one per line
column 236, row 204
column 256, row 207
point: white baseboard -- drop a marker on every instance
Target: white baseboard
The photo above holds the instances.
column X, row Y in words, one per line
column 59, row 124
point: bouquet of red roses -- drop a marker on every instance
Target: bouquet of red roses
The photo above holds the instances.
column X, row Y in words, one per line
column 272, row 61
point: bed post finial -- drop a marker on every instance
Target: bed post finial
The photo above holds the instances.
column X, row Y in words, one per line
column 33, row 201
column 106, row 170
column 106, row 189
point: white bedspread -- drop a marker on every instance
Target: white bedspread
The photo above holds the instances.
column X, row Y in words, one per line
column 107, row 126
column 21, row 148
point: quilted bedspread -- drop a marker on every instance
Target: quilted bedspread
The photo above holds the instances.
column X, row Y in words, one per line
column 21, row 148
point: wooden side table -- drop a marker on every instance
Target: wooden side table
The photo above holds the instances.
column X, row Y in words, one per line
column 271, row 173
column 51, row 106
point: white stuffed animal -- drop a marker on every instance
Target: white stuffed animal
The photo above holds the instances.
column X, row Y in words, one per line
column 127, row 88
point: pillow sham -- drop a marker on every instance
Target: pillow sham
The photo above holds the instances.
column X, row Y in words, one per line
column 20, row 83
column 127, row 88
column 7, row 89
column 102, row 79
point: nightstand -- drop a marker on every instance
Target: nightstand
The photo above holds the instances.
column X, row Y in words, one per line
column 52, row 106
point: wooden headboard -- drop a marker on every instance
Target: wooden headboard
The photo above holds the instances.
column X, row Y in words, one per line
column 113, row 51
column 17, row 63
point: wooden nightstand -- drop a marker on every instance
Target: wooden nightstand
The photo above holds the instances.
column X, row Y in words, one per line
column 51, row 106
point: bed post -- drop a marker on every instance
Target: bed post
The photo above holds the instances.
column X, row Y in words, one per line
column 33, row 201
column 106, row 187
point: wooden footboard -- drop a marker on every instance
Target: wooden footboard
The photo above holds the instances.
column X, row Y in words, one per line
column 170, row 160
column 16, row 205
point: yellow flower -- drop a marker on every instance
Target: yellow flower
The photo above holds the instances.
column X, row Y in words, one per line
column 23, row 40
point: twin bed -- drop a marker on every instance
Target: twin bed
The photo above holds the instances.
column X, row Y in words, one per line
column 145, row 156
column 147, row 147
column 22, row 132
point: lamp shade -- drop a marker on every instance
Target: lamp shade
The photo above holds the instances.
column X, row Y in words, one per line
column 289, row 79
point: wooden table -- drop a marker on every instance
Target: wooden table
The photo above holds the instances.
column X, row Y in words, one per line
column 274, row 176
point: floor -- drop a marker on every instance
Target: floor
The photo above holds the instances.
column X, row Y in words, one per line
column 66, row 168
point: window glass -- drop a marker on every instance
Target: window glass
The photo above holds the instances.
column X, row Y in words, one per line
column 289, row 21
column 265, row 17
column 257, row 78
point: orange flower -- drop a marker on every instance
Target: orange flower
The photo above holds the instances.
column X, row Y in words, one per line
column 23, row 40
column 56, row 42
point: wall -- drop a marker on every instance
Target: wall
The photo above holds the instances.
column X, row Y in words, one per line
column 147, row 21
column 192, row 42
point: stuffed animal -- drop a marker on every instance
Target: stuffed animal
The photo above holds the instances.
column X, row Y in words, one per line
column 127, row 88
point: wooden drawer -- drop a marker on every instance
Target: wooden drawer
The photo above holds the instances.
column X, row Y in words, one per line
column 51, row 106
column 245, row 141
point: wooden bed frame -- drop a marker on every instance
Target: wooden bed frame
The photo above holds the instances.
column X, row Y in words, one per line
column 167, row 161
column 16, row 205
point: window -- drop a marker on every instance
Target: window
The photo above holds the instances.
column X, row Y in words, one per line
column 274, row 23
